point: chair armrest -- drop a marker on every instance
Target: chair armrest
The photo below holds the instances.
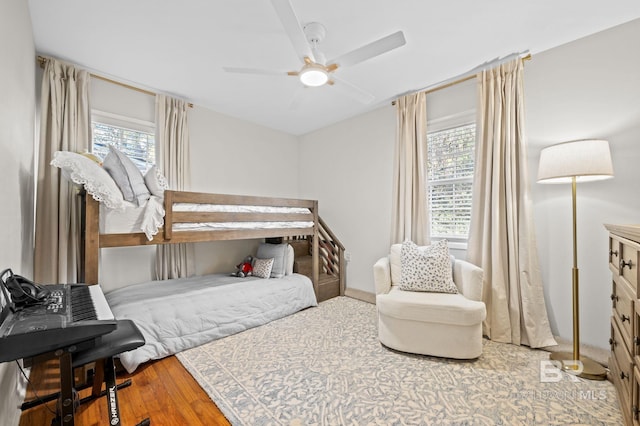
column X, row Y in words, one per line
column 382, row 275
column 469, row 279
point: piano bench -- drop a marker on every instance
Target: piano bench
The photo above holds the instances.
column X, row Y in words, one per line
column 124, row 338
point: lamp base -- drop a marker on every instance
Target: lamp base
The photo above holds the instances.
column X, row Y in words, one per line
column 591, row 370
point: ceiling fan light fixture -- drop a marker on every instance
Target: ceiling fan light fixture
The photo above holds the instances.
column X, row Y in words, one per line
column 313, row 75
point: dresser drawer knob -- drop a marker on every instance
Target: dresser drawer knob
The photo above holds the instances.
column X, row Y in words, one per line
column 624, row 375
column 624, row 318
column 636, row 340
column 613, row 252
column 612, row 342
column 623, row 264
column 614, row 297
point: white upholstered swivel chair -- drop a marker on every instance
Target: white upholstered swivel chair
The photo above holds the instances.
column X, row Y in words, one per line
column 436, row 324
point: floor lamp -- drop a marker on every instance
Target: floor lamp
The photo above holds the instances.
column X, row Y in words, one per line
column 572, row 162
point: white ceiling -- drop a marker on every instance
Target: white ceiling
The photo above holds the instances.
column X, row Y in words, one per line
column 180, row 47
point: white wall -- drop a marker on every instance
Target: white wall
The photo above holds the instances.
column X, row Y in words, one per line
column 232, row 156
column 588, row 88
column 347, row 167
column 17, row 115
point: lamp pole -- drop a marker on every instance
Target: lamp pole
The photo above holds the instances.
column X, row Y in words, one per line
column 572, row 361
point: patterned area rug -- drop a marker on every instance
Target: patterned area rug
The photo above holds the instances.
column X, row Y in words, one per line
column 325, row 366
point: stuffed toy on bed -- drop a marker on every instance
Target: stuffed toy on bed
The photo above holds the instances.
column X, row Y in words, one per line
column 244, row 268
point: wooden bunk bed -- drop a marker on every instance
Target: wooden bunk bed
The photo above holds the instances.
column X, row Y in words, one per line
column 94, row 240
column 215, row 308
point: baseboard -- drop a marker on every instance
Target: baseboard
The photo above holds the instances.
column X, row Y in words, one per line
column 365, row 296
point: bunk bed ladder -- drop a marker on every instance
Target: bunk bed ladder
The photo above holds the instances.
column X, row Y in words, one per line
column 332, row 271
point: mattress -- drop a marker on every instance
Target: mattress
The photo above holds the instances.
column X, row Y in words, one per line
column 179, row 314
column 149, row 217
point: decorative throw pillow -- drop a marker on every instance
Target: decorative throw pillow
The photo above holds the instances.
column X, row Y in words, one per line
column 279, row 254
column 127, row 176
column 155, row 181
column 96, row 181
column 262, row 267
column 426, row 268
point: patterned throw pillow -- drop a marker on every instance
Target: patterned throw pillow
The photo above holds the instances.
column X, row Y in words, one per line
column 262, row 267
column 426, row 268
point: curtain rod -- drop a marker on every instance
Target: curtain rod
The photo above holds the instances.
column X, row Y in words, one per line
column 41, row 60
column 466, row 76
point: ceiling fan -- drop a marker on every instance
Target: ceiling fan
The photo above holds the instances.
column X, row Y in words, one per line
column 316, row 70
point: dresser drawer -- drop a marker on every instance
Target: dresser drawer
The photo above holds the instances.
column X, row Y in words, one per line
column 614, row 254
column 635, row 398
column 628, row 263
column 623, row 362
column 623, row 396
column 623, row 301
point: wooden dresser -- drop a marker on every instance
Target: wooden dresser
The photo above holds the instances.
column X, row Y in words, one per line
column 624, row 363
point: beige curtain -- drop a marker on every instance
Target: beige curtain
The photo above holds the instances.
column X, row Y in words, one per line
column 65, row 125
column 172, row 133
column 502, row 235
column 409, row 209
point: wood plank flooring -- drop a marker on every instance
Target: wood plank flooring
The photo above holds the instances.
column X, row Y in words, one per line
column 161, row 390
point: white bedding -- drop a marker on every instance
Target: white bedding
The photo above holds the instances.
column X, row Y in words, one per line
column 179, row 314
column 149, row 217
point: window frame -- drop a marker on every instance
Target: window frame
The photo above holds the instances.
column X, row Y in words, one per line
column 446, row 123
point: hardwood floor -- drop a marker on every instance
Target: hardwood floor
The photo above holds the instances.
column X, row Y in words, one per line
column 161, row 390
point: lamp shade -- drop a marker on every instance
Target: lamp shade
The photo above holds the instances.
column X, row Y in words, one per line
column 586, row 160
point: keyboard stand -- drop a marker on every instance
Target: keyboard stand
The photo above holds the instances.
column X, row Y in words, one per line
column 124, row 338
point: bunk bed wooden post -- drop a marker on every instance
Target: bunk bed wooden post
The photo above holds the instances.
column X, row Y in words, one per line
column 168, row 214
column 91, row 240
column 315, row 252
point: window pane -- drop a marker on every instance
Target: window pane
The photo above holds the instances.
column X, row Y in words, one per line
column 139, row 146
column 451, row 153
column 450, row 209
column 450, row 175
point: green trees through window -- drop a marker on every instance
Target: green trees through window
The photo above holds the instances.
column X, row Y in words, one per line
column 450, row 166
column 139, row 146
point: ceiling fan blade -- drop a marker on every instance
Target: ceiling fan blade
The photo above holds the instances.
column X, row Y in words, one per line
column 293, row 28
column 238, row 70
column 352, row 91
column 370, row 50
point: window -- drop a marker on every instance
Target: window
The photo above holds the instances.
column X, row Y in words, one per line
column 450, row 166
column 135, row 138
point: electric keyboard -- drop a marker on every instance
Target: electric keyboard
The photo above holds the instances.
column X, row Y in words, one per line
column 70, row 314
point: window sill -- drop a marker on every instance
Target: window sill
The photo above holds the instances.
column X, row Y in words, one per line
column 457, row 245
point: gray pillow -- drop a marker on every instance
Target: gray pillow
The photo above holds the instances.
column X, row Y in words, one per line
column 277, row 252
column 127, row 176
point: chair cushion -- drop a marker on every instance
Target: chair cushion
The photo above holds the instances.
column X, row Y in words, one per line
column 442, row 308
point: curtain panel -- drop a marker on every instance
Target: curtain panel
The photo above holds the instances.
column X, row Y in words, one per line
column 409, row 206
column 502, row 235
column 65, row 125
column 172, row 132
